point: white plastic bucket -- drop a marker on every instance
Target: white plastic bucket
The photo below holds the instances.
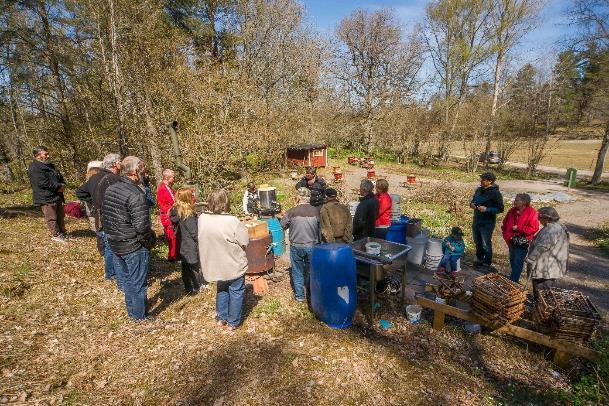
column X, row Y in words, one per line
column 413, row 312
column 418, row 243
column 434, row 247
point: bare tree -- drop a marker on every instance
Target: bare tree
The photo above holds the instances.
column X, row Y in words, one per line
column 458, row 40
column 376, row 64
column 593, row 18
column 510, row 20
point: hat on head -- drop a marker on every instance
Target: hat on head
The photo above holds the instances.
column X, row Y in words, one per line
column 303, row 192
column 549, row 213
column 456, row 231
column 488, row 176
column 331, row 192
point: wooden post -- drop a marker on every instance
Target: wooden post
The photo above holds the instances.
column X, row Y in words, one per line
column 438, row 320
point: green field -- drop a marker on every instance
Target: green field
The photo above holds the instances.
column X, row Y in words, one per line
column 580, row 154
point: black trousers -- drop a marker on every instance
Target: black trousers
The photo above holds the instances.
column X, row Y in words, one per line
column 540, row 284
column 192, row 277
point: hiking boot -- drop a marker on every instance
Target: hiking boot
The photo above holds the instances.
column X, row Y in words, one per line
column 60, row 238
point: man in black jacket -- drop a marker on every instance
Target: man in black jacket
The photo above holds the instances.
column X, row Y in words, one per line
column 487, row 202
column 92, row 192
column 315, row 184
column 366, row 212
column 47, row 191
column 126, row 222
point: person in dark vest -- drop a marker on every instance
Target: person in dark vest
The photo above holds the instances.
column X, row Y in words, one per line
column 335, row 220
column 126, row 222
column 47, row 191
column 251, row 199
column 316, row 185
column 366, row 212
column 92, row 192
column 487, row 202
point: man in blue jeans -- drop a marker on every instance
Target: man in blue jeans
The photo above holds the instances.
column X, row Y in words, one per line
column 126, row 223
column 92, row 192
column 303, row 224
column 487, row 202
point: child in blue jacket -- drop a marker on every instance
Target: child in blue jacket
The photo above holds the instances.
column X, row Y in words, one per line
column 453, row 247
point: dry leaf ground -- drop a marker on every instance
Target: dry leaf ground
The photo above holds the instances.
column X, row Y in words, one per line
column 65, row 338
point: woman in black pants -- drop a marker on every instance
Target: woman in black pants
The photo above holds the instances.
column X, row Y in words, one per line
column 184, row 220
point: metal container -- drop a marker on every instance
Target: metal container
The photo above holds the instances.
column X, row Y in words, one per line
column 373, row 248
column 268, row 197
column 390, row 251
column 259, row 257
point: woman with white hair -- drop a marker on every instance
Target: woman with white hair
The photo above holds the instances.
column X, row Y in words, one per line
column 165, row 196
column 549, row 251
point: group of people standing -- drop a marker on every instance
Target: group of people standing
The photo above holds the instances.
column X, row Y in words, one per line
column 319, row 217
column 211, row 246
column 544, row 252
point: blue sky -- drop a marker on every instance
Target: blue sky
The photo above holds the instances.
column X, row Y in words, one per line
column 538, row 46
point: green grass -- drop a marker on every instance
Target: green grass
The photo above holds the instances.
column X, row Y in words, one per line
column 600, row 236
column 602, row 186
column 592, row 388
column 269, row 306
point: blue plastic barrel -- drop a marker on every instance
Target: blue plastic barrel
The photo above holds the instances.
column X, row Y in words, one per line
column 277, row 235
column 332, row 284
column 396, row 233
column 404, row 219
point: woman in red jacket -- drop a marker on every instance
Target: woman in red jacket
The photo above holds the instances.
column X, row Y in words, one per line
column 383, row 218
column 519, row 227
column 165, row 196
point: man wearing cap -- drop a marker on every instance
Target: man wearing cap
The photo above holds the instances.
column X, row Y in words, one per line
column 335, row 220
column 303, row 223
column 549, row 251
column 486, row 203
column 315, row 184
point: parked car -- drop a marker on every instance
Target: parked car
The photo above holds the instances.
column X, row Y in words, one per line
column 492, row 158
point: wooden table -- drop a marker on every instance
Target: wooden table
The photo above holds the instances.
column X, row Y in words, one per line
column 563, row 349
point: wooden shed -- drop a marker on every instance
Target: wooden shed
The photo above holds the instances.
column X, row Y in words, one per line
column 308, row 155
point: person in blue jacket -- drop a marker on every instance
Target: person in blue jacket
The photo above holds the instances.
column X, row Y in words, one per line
column 486, row 203
column 453, row 248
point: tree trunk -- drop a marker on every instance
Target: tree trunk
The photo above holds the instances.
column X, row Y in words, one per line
column 6, row 173
column 58, row 82
column 117, row 85
column 489, row 135
column 600, row 159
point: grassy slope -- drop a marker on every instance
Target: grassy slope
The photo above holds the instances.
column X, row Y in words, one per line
column 66, row 337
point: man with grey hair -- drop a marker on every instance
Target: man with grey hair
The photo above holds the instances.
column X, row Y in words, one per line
column 165, row 196
column 366, row 212
column 126, row 222
column 92, row 192
column 303, row 224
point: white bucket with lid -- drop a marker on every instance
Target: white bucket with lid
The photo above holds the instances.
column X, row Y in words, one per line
column 413, row 312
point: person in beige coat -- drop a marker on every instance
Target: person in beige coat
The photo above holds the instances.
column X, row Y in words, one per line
column 548, row 252
column 222, row 241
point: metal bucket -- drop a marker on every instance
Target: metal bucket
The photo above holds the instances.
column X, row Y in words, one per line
column 434, row 247
column 268, row 197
